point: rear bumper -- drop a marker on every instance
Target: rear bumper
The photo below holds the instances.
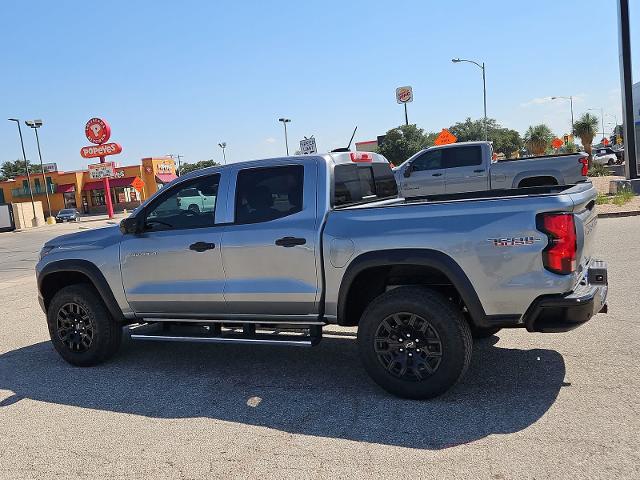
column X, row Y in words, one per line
column 561, row 313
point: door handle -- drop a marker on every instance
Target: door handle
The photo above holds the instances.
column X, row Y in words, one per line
column 436, row 174
column 202, row 246
column 290, row 241
column 479, row 171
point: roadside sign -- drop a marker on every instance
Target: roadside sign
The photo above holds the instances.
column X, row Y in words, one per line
column 97, row 130
column 138, row 184
column 99, row 171
column 308, row 146
column 404, row 94
column 605, row 141
column 557, row 143
column 93, row 151
column 49, row 167
column 445, row 137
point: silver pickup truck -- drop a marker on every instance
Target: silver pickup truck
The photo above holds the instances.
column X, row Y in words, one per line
column 470, row 167
column 293, row 244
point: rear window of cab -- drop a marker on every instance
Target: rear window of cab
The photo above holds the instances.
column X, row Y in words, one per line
column 358, row 183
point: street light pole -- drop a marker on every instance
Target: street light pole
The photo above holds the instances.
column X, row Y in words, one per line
column 223, row 145
column 286, row 140
column 36, row 124
column 570, row 98
column 34, row 220
column 484, row 89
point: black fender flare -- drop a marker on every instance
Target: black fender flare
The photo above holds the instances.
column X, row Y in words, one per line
column 423, row 257
column 95, row 276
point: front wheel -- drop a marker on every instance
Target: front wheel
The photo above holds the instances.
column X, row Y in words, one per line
column 414, row 343
column 81, row 329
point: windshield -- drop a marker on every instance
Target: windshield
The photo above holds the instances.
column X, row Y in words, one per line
column 67, row 211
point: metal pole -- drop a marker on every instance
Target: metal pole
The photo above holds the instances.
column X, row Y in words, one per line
column 34, row 221
column 286, row 140
column 107, row 192
column 224, row 156
column 44, row 178
column 604, row 134
column 572, row 122
column 624, row 50
column 406, row 117
column 484, row 91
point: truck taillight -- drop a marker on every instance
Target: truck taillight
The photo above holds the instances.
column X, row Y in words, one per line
column 560, row 255
column 585, row 165
column 361, row 157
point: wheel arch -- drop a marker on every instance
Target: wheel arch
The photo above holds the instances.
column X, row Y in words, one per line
column 62, row 273
column 376, row 268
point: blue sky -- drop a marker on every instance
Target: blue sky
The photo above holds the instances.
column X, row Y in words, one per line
column 179, row 77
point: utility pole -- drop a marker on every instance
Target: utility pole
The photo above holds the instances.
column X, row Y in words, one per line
column 223, row 145
column 36, row 124
column 484, row 89
column 286, row 140
column 624, row 50
column 177, row 157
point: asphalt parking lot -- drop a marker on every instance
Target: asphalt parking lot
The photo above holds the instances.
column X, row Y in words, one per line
column 531, row 405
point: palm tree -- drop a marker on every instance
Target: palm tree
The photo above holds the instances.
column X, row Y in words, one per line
column 538, row 138
column 586, row 128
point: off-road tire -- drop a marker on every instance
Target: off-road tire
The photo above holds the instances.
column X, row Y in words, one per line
column 106, row 332
column 447, row 324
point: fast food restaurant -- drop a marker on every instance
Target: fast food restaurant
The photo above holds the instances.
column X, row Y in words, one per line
column 130, row 186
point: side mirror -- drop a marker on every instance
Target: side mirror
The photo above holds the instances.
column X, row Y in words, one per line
column 129, row 225
column 407, row 171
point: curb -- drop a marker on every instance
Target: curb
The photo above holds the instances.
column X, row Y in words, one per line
column 631, row 213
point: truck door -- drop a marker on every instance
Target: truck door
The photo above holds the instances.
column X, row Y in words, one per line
column 464, row 170
column 427, row 175
column 174, row 267
column 269, row 250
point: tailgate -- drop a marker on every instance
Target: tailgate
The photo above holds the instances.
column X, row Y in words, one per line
column 586, row 220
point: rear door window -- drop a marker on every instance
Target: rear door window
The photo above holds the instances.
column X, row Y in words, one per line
column 358, row 183
column 462, row 156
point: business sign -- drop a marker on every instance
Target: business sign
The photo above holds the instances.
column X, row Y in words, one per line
column 93, row 151
column 49, row 167
column 556, row 143
column 102, row 170
column 308, row 146
column 445, row 137
column 404, row 94
column 97, row 131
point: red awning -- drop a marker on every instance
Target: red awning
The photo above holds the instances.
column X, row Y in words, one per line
column 165, row 177
column 66, row 188
column 113, row 182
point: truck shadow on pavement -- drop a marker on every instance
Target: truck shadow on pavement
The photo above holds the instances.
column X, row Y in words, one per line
column 322, row 391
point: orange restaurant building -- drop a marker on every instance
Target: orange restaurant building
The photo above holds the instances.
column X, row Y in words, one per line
column 77, row 190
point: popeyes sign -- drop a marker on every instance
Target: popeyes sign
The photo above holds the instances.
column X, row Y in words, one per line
column 98, row 132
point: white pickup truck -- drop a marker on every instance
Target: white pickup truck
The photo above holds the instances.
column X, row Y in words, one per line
column 470, row 167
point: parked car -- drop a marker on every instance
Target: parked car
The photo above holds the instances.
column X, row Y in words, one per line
column 608, row 156
column 470, row 167
column 297, row 243
column 68, row 215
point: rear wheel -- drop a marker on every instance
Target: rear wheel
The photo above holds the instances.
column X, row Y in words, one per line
column 81, row 328
column 610, row 162
column 194, row 208
column 414, row 343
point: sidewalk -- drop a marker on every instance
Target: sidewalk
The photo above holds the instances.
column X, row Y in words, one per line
column 83, row 219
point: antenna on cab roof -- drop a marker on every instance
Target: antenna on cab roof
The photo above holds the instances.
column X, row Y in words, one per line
column 348, row 148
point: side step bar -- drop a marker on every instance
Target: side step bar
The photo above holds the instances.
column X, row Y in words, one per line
column 216, row 333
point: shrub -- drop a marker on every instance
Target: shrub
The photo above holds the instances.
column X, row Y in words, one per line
column 598, row 170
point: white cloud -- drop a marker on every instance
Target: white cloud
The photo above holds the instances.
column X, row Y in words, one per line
column 536, row 101
column 270, row 140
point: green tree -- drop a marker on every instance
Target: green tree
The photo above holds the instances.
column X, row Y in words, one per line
column 15, row 169
column 190, row 167
column 402, row 142
column 586, row 128
column 504, row 140
column 538, row 139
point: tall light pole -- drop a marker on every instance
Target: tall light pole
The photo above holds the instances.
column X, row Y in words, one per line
column 286, row 140
column 36, row 124
column 223, row 145
column 570, row 98
column 601, row 117
column 34, row 220
column 484, row 88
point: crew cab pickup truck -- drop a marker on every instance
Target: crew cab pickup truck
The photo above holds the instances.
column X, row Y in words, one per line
column 470, row 167
column 297, row 243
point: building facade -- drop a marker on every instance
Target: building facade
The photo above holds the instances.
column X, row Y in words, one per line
column 77, row 190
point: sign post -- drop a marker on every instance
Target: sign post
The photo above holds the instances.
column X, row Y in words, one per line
column 98, row 132
column 308, row 146
column 404, row 95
